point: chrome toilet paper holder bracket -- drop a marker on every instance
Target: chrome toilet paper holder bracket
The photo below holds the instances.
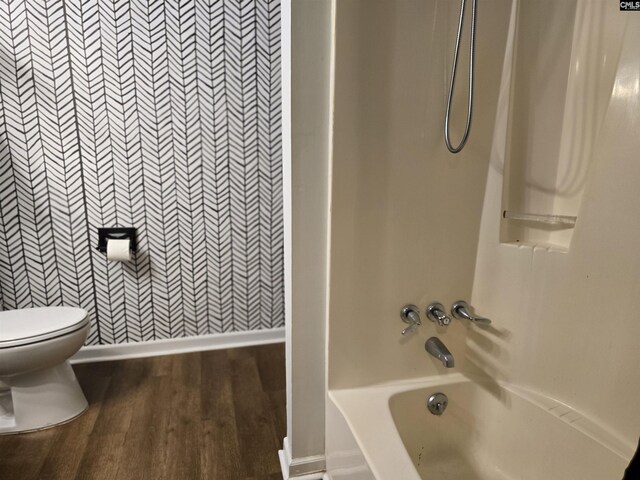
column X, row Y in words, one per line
column 116, row 233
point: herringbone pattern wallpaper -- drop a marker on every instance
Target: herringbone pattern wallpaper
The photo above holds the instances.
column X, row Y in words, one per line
column 158, row 114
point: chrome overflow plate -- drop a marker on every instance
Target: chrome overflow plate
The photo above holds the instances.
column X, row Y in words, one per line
column 437, row 403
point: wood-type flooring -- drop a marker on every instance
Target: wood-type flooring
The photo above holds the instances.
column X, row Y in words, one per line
column 216, row 415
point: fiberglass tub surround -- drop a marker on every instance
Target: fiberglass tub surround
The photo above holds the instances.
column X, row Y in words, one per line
column 553, row 153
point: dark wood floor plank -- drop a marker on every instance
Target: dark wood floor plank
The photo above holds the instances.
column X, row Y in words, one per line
column 253, row 420
column 213, row 415
column 220, row 450
column 161, row 366
column 103, row 457
column 270, row 359
column 23, row 455
column 278, row 399
column 85, row 371
column 146, row 431
column 106, row 444
column 185, row 424
column 215, row 379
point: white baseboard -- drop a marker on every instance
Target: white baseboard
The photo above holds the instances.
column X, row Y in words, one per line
column 170, row 346
column 306, row 468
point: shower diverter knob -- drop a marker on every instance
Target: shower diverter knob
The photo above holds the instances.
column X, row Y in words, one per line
column 436, row 313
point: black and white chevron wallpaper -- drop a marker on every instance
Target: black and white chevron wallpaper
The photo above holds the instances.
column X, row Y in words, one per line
column 164, row 115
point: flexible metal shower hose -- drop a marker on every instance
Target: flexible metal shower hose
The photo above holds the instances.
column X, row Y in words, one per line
column 454, row 70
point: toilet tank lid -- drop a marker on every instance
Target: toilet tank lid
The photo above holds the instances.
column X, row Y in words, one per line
column 39, row 322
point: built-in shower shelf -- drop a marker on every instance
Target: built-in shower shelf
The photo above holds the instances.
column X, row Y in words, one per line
column 567, row 221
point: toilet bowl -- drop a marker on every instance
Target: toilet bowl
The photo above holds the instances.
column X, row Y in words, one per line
column 38, row 388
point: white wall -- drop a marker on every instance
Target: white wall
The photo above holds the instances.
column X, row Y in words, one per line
column 405, row 212
column 567, row 324
column 307, row 77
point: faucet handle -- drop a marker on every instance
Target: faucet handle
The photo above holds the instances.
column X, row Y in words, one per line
column 410, row 314
column 436, row 313
column 461, row 309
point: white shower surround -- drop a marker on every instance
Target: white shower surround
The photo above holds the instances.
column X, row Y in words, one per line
column 548, row 334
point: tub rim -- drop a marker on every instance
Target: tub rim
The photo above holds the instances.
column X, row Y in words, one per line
column 383, row 438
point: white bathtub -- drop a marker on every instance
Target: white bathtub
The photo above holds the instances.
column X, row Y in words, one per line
column 488, row 432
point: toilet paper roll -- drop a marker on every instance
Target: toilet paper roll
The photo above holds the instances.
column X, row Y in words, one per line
column 118, row 250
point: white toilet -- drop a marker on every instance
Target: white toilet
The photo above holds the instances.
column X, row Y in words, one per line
column 38, row 388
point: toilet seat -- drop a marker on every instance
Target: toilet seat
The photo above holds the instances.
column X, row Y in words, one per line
column 33, row 325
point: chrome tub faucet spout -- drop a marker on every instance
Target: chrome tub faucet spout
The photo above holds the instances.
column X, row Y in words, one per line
column 435, row 347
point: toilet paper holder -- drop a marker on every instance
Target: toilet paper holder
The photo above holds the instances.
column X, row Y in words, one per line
column 116, row 233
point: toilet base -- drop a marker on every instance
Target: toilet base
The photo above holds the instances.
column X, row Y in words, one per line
column 40, row 399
